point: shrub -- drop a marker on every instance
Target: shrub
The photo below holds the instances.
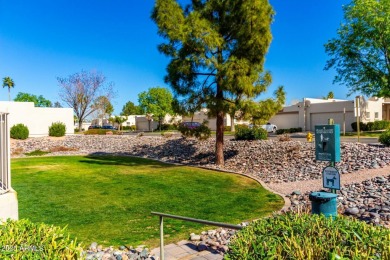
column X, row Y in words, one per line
column 57, row 129
column 129, row 128
column 23, row 239
column 19, row 131
column 289, row 131
column 202, row 132
column 362, row 126
column 254, row 133
column 384, row 138
column 167, row 127
column 380, row 125
column 303, row 236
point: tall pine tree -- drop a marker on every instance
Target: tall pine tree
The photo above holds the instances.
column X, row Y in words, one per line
column 217, row 48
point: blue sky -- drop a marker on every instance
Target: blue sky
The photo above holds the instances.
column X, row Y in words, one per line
column 44, row 39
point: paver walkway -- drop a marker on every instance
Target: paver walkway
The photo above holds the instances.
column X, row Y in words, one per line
column 185, row 250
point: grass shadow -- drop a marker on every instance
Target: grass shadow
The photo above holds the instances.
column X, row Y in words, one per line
column 122, row 159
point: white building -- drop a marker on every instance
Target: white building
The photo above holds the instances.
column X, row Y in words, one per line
column 37, row 119
column 312, row 111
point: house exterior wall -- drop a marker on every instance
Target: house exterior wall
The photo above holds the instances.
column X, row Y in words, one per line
column 37, row 119
column 311, row 112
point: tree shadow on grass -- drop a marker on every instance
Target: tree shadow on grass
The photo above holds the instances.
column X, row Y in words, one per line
column 122, row 159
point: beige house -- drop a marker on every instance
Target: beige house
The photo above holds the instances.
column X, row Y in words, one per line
column 202, row 115
column 312, row 111
column 37, row 119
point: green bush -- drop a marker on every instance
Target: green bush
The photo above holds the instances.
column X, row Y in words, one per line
column 310, row 237
column 384, row 138
column 167, row 127
column 380, row 125
column 289, row 131
column 203, row 132
column 246, row 133
column 23, row 239
column 19, row 131
column 362, row 126
column 129, row 128
column 57, row 129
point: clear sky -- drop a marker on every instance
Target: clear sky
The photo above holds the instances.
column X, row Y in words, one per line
column 41, row 40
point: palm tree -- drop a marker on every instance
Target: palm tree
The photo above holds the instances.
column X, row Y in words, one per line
column 8, row 82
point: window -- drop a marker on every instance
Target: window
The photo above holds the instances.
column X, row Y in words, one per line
column 376, row 115
column 367, row 114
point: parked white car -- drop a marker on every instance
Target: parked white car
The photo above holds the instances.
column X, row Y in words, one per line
column 270, row 128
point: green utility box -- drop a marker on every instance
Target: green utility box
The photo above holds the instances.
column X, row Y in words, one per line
column 324, row 203
column 327, row 141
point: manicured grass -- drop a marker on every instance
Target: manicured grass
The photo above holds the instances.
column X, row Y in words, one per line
column 109, row 199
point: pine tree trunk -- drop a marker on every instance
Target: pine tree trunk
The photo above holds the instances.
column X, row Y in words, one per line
column 219, row 140
column 232, row 127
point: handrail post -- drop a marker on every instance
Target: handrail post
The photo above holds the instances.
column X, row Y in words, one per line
column 161, row 238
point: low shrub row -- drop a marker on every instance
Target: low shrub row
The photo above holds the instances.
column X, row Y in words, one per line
column 310, row 237
column 129, row 128
column 289, row 130
column 371, row 126
column 23, row 239
column 101, row 132
column 244, row 132
column 20, row 131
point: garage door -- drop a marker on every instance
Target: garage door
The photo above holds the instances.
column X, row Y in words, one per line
column 322, row 119
column 285, row 121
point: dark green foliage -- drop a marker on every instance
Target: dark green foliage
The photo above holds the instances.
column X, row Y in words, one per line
column 361, row 52
column 167, row 127
column 203, row 132
column 23, row 239
column 57, row 129
column 362, row 126
column 372, row 126
column 217, row 52
column 254, row 133
column 289, row 131
column 310, row 237
column 19, row 131
column 39, row 101
column 384, row 138
column 129, row 128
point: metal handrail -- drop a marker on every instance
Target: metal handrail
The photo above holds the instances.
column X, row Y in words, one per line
column 201, row 221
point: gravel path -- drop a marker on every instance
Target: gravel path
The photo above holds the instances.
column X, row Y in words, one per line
column 315, row 185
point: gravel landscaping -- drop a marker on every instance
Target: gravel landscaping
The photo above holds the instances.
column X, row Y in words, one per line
column 288, row 168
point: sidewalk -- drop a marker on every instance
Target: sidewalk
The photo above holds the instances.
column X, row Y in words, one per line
column 185, row 250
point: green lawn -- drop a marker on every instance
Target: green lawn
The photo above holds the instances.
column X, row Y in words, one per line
column 109, row 199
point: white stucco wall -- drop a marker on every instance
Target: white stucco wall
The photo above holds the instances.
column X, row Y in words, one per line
column 37, row 119
column 309, row 112
column 9, row 206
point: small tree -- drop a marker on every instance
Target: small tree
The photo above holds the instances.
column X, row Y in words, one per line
column 80, row 91
column 119, row 120
column 157, row 102
column 361, row 52
column 103, row 107
column 39, row 101
column 216, row 48
column 9, row 83
column 130, row 109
